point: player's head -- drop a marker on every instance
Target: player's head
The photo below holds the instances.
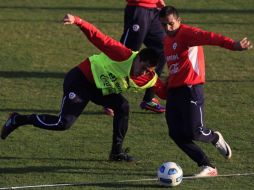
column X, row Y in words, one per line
column 147, row 58
column 170, row 20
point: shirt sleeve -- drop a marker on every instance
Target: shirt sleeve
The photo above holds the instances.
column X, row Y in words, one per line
column 198, row 37
column 159, row 88
column 112, row 48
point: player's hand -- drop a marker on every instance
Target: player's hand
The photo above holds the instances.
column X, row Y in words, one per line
column 243, row 44
column 68, row 19
column 161, row 4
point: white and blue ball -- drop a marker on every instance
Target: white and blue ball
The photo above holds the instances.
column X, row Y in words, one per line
column 170, row 174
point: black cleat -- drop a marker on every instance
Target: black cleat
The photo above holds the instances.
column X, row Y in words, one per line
column 123, row 156
column 9, row 126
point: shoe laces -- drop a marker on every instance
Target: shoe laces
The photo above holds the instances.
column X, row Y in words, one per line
column 152, row 104
column 155, row 100
column 207, row 171
column 125, row 152
column 220, row 144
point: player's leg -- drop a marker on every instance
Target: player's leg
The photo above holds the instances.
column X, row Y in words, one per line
column 73, row 103
column 120, row 106
column 154, row 39
column 135, row 27
column 194, row 115
column 175, row 122
column 180, row 134
column 195, row 111
column 135, row 30
column 72, row 107
column 120, row 122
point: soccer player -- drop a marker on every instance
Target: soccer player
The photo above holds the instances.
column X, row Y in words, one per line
column 101, row 79
column 185, row 99
column 142, row 25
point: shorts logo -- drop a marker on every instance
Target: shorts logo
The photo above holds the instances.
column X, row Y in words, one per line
column 174, row 45
column 72, row 95
column 135, row 27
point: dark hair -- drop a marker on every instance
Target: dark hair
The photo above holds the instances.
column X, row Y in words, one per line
column 149, row 54
column 168, row 10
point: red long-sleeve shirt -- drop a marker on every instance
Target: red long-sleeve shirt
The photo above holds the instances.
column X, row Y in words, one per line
column 115, row 51
column 146, row 3
column 185, row 57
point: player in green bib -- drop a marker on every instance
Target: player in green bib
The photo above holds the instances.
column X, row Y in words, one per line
column 101, row 79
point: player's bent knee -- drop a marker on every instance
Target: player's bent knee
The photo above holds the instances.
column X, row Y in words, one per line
column 67, row 122
column 201, row 134
column 122, row 108
column 125, row 107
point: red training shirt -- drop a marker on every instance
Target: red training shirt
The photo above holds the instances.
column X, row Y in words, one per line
column 185, row 57
column 146, row 3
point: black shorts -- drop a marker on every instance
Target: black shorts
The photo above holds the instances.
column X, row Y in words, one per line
column 78, row 91
column 185, row 114
column 142, row 25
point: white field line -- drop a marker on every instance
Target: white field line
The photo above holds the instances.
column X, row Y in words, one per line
column 122, row 181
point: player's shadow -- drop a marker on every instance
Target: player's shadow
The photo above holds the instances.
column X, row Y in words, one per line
column 60, row 21
column 52, row 160
column 61, row 75
column 72, row 170
column 47, row 111
column 105, row 185
column 120, row 21
column 66, row 168
column 31, row 74
column 67, row 8
column 145, row 112
column 121, row 9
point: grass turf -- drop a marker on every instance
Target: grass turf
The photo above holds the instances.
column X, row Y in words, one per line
column 37, row 50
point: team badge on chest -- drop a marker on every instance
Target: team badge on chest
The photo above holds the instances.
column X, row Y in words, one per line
column 174, row 46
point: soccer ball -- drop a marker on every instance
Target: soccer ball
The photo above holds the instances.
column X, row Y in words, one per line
column 170, row 174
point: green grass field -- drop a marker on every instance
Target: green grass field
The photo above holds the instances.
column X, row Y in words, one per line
column 37, row 50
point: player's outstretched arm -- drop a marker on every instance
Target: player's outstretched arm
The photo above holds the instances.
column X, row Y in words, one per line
column 243, row 44
column 68, row 19
column 112, row 48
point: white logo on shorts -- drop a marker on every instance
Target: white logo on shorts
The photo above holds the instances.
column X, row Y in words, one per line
column 72, row 95
column 135, row 27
